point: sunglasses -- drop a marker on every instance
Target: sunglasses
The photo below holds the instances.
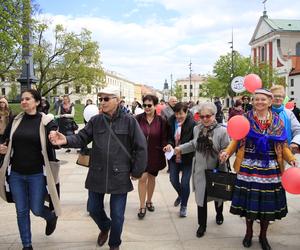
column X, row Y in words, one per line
column 147, row 105
column 205, row 116
column 106, row 98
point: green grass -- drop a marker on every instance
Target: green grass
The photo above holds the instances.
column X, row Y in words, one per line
column 16, row 109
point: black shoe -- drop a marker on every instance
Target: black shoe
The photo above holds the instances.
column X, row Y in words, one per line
column 150, row 207
column 247, row 242
column 219, row 219
column 200, row 232
column 177, row 201
column 102, row 238
column 51, row 225
column 264, row 244
column 28, row 248
column 141, row 214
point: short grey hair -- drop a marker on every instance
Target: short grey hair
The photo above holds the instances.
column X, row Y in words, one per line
column 210, row 106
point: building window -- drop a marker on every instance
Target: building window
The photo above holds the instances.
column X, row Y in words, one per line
column 191, row 94
column 262, row 54
column 3, row 91
column 185, row 94
column 77, row 89
column 292, row 92
column 184, row 86
column 191, row 86
column 298, row 49
column 292, row 82
column 66, row 90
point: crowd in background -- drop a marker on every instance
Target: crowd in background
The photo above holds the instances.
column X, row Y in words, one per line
column 195, row 132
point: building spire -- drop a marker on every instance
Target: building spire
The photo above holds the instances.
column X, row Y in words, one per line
column 265, row 10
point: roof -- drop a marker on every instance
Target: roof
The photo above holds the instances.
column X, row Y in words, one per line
column 295, row 65
column 284, row 24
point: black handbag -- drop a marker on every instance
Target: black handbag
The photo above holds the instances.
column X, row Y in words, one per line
column 220, row 184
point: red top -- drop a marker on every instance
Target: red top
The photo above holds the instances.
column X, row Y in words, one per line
column 156, row 136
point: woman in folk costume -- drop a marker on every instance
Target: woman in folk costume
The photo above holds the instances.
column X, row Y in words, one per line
column 5, row 115
column 210, row 137
column 26, row 168
column 259, row 164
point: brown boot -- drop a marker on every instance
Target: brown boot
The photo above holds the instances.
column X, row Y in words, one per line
column 102, row 238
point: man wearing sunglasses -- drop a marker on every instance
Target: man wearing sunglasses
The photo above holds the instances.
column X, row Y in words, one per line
column 119, row 152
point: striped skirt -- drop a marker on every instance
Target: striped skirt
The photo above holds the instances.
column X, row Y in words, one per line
column 258, row 191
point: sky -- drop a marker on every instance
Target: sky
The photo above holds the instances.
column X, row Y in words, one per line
column 148, row 40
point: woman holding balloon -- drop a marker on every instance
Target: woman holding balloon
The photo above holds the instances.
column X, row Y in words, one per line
column 259, row 165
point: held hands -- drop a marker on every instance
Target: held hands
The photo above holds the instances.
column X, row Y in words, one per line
column 223, row 157
column 57, row 138
column 177, row 150
column 167, row 148
column 294, row 163
column 3, row 149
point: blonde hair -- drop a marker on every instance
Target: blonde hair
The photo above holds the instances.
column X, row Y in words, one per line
column 277, row 87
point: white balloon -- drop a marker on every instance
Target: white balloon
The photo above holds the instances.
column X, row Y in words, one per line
column 90, row 111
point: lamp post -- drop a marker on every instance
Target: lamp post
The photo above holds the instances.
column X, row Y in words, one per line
column 190, row 67
column 171, row 83
column 27, row 61
column 230, row 92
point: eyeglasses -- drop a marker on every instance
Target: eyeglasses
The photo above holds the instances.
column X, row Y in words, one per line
column 147, row 105
column 106, row 98
column 205, row 116
column 278, row 96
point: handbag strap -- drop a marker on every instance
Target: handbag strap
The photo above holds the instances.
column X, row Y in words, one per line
column 116, row 138
column 227, row 164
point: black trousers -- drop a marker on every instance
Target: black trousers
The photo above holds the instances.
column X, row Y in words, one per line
column 202, row 211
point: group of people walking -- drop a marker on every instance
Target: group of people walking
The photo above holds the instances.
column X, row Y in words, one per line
column 140, row 143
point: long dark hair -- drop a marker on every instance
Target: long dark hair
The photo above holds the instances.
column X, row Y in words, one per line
column 35, row 94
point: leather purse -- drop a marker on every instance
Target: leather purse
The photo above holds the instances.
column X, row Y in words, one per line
column 220, row 184
column 83, row 160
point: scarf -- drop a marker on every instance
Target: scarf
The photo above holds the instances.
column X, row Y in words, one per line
column 177, row 136
column 286, row 121
column 275, row 132
column 204, row 140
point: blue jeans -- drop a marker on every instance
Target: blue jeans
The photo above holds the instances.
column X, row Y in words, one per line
column 182, row 187
column 117, row 211
column 28, row 192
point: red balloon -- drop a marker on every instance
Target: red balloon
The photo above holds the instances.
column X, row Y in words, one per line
column 252, row 82
column 289, row 105
column 238, row 127
column 291, row 180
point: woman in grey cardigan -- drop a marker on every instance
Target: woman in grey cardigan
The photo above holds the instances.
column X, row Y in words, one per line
column 210, row 138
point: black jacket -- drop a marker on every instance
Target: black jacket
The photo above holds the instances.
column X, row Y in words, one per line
column 110, row 167
column 186, row 135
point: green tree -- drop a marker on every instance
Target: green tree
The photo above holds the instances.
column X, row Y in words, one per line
column 11, row 33
column 71, row 59
column 14, row 90
column 212, row 87
column 177, row 91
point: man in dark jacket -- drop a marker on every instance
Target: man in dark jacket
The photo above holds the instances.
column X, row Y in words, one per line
column 119, row 152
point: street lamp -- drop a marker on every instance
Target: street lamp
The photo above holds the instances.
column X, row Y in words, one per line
column 230, row 92
column 27, row 61
column 190, row 67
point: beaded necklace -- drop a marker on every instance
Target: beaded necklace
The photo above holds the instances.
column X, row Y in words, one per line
column 263, row 123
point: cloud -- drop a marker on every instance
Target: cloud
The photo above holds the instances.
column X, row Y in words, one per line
column 150, row 51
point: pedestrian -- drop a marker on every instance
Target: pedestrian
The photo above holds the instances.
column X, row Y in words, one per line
column 5, row 115
column 57, row 103
column 219, row 115
column 258, row 192
column 26, row 160
column 65, row 114
column 291, row 124
column 154, row 128
column 123, row 107
column 168, row 111
column 45, row 106
column 237, row 109
column 209, row 139
column 296, row 111
column 181, row 125
column 160, row 106
column 113, row 133
column 247, row 106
